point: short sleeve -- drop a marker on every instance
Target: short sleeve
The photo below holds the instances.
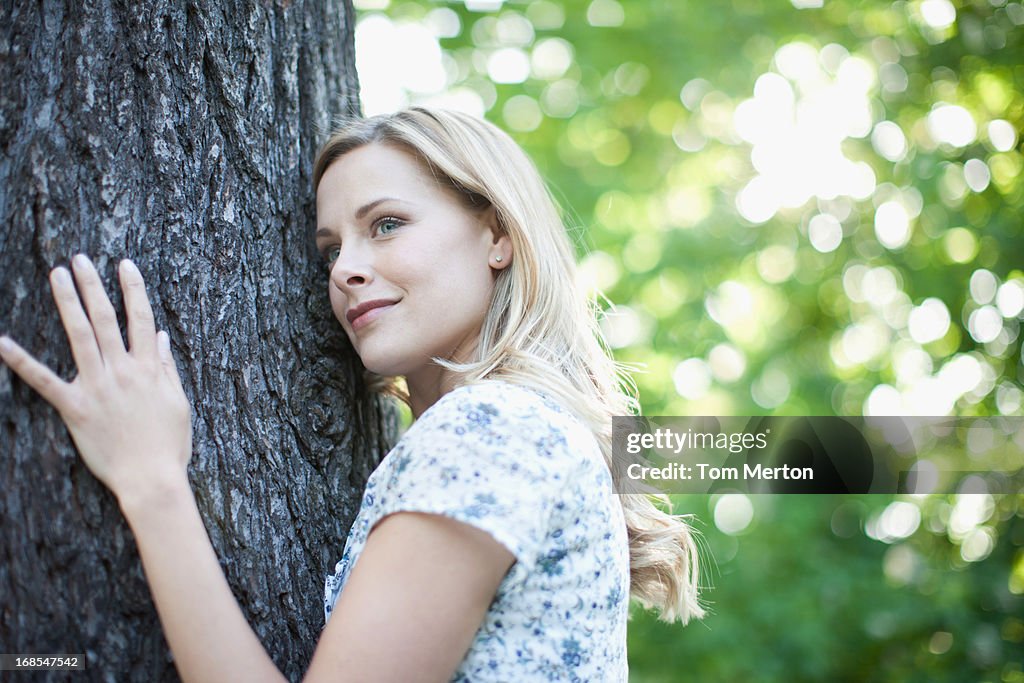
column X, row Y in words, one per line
column 493, row 456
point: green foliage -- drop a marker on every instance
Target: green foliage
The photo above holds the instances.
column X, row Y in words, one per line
column 803, row 594
column 798, row 211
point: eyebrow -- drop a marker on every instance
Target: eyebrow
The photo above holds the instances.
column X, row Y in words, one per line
column 366, row 208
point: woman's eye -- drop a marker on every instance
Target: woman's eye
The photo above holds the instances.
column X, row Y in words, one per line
column 331, row 255
column 387, row 225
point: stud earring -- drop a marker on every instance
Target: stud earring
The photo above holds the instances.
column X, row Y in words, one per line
column 497, row 259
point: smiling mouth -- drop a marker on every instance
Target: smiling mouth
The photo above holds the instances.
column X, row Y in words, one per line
column 371, row 315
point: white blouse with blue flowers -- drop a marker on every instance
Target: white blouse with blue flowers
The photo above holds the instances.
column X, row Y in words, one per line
column 516, row 464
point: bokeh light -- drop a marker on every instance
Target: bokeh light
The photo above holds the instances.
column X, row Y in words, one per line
column 819, row 215
column 733, row 513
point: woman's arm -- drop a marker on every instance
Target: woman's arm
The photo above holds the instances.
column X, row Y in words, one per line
column 409, row 611
column 208, row 634
column 413, row 602
column 128, row 415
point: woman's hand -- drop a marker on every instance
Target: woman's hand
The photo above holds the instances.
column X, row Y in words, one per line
column 126, row 410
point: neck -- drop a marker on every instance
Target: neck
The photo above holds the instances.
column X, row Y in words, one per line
column 428, row 385
column 426, row 388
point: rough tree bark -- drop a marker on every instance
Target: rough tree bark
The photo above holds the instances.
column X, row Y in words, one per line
column 180, row 134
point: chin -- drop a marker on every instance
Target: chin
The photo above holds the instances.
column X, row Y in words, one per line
column 386, row 365
column 382, row 370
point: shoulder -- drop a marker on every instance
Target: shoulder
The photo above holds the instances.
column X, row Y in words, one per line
column 497, row 409
column 494, row 420
column 505, row 398
column 500, row 457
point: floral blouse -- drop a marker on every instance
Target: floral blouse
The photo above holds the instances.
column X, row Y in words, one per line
column 514, row 463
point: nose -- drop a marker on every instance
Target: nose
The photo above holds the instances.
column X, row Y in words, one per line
column 351, row 270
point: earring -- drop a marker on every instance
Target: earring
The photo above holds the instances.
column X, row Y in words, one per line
column 497, row 259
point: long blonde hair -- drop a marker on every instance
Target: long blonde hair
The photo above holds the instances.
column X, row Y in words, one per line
column 540, row 330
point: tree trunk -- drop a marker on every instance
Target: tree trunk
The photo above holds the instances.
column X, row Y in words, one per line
column 180, row 134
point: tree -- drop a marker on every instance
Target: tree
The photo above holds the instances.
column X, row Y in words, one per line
column 180, row 135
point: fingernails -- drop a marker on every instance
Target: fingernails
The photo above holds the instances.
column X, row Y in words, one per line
column 6, row 345
column 81, row 261
column 128, row 267
column 62, row 276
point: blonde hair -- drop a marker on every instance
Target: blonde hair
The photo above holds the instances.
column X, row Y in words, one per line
column 539, row 331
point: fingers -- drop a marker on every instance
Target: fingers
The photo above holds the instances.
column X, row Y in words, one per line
column 95, row 338
column 141, row 331
column 33, row 373
column 163, row 341
column 79, row 330
column 101, row 312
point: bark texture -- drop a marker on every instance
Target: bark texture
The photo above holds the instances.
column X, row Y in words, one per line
column 180, row 134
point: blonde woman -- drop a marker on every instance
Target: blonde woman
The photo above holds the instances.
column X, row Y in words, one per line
column 489, row 545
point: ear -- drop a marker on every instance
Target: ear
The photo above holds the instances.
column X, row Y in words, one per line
column 499, row 254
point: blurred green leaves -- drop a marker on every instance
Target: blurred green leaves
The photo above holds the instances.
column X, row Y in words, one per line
column 805, row 186
column 810, row 207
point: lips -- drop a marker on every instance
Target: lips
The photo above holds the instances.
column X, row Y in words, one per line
column 362, row 314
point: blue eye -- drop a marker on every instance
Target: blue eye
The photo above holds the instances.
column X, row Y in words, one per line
column 382, row 225
column 331, row 255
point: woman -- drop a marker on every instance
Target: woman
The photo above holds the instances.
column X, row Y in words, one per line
column 489, row 544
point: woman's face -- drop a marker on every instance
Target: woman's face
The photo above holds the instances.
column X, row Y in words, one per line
column 393, row 235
